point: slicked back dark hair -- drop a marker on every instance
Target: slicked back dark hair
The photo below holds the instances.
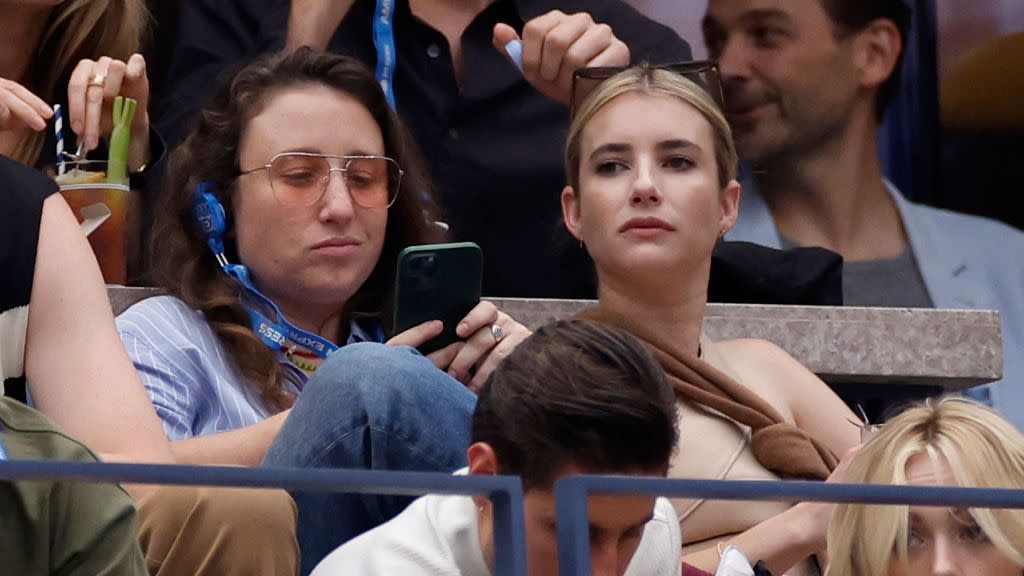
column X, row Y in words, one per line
column 577, row 394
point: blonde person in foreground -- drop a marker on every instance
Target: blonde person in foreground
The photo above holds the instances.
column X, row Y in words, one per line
column 950, row 442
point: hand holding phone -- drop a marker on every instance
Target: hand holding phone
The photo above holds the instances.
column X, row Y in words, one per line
column 470, row 361
column 439, row 312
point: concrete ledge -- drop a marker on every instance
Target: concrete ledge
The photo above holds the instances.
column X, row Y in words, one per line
column 951, row 349
column 123, row 297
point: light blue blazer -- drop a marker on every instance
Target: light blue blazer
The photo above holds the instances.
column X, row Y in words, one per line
column 966, row 262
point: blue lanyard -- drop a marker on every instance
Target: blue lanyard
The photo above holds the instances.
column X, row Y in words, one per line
column 384, row 42
column 276, row 334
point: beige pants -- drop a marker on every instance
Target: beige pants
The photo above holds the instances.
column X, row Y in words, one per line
column 201, row 531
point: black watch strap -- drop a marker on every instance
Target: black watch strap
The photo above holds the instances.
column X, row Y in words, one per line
column 137, row 179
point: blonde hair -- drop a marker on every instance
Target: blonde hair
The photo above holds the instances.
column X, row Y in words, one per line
column 652, row 81
column 79, row 29
column 983, row 451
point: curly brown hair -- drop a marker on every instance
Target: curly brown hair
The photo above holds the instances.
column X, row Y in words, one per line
column 183, row 265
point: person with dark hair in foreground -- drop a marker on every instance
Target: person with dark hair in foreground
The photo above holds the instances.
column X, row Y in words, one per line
column 574, row 398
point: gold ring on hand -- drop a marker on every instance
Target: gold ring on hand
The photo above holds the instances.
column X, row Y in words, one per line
column 97, row 80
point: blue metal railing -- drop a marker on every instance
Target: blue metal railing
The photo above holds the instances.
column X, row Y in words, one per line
column 505, row 492
column 571, row 501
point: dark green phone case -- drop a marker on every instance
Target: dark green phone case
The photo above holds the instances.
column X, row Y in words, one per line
column 437, row 282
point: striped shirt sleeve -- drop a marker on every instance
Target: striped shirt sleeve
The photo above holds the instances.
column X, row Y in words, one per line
column 169, row 387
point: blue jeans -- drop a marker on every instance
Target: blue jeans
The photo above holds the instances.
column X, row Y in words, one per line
column 369, row 406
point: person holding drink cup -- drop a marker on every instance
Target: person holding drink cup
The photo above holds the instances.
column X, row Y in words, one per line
column 57, row 338
column 82, row 53
column 99, row 195
column 70, row 60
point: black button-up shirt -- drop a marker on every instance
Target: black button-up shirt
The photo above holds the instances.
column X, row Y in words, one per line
column 493, row 144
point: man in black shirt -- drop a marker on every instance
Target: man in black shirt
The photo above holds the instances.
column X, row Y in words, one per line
column 492, row 138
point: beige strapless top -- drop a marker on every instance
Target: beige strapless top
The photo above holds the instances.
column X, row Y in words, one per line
column 713, row 446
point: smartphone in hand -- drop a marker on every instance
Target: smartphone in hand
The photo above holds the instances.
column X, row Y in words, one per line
column 437, row 282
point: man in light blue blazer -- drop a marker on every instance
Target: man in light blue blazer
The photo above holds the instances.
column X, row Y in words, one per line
column 806, row 84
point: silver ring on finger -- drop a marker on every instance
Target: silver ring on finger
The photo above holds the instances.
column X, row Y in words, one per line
column 497, row 332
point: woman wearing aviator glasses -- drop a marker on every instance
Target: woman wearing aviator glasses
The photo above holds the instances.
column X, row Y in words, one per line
column 282, row 220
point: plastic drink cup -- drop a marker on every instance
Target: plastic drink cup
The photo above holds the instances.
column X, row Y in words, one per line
column 84, row 184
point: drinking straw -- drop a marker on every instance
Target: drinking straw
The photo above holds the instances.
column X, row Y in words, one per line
column 58, row 128
column 120, row 138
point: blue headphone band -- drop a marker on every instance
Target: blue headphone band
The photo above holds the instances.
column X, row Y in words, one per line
column 211, row 218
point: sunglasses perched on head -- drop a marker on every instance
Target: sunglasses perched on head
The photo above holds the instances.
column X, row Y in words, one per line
column 702, row 72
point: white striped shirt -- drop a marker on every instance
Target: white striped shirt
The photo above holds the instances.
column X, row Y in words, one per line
column 193, row 383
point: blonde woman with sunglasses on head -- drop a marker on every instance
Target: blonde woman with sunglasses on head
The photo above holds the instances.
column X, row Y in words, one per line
column 651, row 166
column 950, row 442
